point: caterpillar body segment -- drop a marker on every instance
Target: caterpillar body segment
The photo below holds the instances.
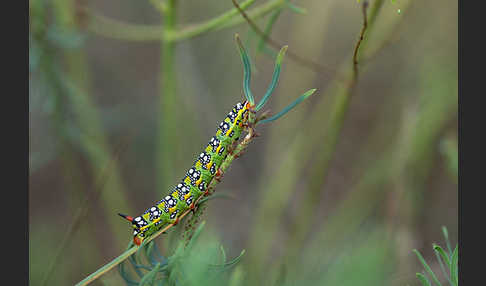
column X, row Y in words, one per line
column 197, row 179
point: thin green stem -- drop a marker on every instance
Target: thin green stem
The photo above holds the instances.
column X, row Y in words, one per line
column 210, row 25
column 256, row 12
column 427, row 267
column 268, row 29
column 107, row 267
column 167, row 135
column 116, row 29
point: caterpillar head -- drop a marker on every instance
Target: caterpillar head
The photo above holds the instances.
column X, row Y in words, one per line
column 246, row 107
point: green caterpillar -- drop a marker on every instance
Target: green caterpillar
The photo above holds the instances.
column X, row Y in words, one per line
column 197, row 179
column 206, row 167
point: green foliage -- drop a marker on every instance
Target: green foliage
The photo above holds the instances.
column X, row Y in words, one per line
column 276, row 74
column 448, row 148
column 448, row 263
column 194, row 263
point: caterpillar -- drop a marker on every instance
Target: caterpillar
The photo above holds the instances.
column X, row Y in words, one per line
column 206, row 167
column 196, row 180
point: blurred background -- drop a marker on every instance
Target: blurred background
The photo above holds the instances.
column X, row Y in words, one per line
column 123, row 95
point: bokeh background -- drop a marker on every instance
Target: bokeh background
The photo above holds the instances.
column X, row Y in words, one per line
column 337, row 192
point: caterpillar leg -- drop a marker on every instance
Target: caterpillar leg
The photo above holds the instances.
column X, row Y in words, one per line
column 218, row 176
column 232, row 147
column 137, row 240
column 193, row 208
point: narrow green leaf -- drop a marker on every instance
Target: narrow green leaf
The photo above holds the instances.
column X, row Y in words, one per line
column 289, row 107
column 295, row 9
column 268, row 29
column 427, row 267
column 276, row 75
column 246, row 70
column 137, row 266
column 236, row 259
column 196, row 235
column 232, row 262
column 154, row 255
column 223, row 253
column 453, row 266
column 148, row 252
column 150, row 276
column 423, row 279
column 446, row 236
column 126, row 276
column 441, row 255
column 237, row 277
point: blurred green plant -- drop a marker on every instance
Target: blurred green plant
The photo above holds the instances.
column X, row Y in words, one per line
column 59, row 68
column 448, row 148
column 187, row 266
column 59, row 92
column 448, row 261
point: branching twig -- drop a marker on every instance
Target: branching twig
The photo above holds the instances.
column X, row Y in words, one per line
column 116, row 29
column 361, row 37
column 301, row 60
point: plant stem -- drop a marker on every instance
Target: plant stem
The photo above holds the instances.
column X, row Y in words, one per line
column 115, row 29
column 212, row 24
column 167, row 135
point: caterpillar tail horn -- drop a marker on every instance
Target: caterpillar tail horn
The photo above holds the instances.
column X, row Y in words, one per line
column 127, row 217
